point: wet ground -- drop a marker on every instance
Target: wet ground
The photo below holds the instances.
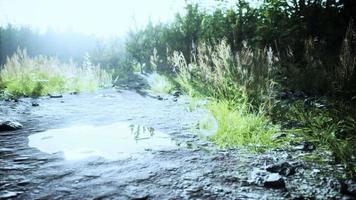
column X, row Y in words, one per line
column 122, row 145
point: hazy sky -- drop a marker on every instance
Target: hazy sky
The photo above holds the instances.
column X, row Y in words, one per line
column 100, row 17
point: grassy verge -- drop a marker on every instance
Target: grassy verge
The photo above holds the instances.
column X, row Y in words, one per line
column 328, row 128
column 26, row 76
column 239, row 85
column 245, row 104
column 239, row 128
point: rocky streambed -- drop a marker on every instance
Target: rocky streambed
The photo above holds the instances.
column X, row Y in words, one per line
column 120, row 144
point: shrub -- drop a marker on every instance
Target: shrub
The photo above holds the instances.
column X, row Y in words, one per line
column 219, row 73
column 26, row 76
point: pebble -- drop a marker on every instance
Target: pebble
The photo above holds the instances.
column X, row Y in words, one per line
column 10, row 125
column 274, row 181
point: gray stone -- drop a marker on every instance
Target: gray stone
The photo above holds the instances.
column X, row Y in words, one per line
column 348, row 187
column 283, row 168
column 8, row 194
column 159, row 98
column 278, row 136
column 305, row 146
column 140, row 197
column 176, row 93
column 55, row 96
column 274, row 181
column 10, row 125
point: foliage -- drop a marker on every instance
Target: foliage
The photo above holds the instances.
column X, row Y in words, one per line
column 160, row 84
column 240, row 84
column 110, row 54
column 308, row 37
column 217, row 72
column 328, row 128
column 307, row 46
column 26, row 76
column 238, row 127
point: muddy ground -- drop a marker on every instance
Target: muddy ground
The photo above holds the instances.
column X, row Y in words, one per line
column 194, row 169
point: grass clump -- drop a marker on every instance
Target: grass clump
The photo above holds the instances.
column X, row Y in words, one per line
column 237, row 127
column 242, row 87
column 26, row 76
column 160, row 84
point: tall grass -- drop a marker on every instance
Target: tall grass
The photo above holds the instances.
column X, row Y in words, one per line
column 243, row 87
column 26, row 76
column 216, row 71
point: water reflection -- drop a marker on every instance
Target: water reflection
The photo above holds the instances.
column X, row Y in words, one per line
column 114, row 141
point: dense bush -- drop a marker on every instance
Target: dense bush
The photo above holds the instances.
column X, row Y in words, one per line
column 313, row 40
column 305, row 46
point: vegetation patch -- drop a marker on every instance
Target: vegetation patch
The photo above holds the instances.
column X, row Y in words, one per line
column 327, row 128
column 160, row 84
column 26, row 76
column 239, row 83
column 237, row 127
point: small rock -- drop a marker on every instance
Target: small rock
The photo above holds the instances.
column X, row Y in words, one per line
column 73, row 93
column 23, row 183
column 8, row 194
column 348, row 187
column 194, row 189
column 285, row 95
column 176, row 94
column 278, row 136
column 140, row 197
column 159, row 98
column 274, row 181
column 266, row 179
column 284, row 169
column 35, row 104
column 305, row 146
column 300, row 95
column 55, row 96
column 257, row 176
column 9, row 125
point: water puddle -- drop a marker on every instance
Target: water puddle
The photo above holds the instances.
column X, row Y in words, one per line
column 114, row 142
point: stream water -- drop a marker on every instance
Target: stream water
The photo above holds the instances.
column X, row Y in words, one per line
column 122, row 145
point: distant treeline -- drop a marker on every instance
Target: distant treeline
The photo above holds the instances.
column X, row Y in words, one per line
column 61, row 45
column 314, row 39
